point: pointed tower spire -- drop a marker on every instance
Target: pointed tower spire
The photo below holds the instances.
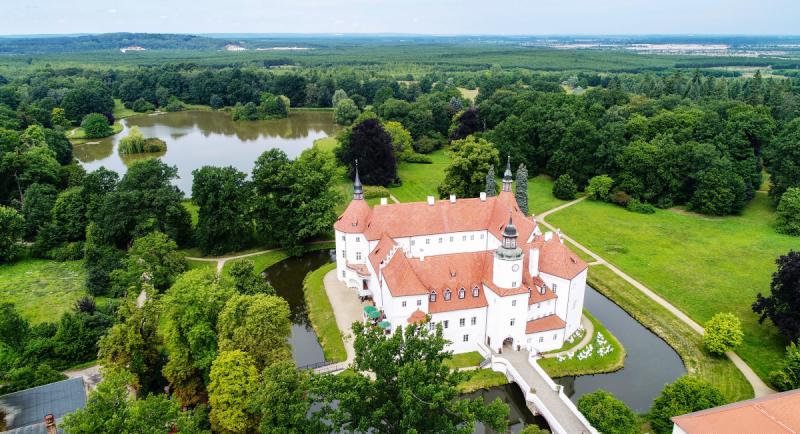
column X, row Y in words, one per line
column 358, row 189
column 507, row 179
column 510, row 234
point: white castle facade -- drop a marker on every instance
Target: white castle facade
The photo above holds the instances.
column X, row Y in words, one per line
column 479, row 267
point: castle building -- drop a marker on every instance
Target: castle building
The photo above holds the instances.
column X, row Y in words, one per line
column 478, row 266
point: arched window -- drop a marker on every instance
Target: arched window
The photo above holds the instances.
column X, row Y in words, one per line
column 432, row 296
column 461, row 293
column 447, row 294
column 475, row 291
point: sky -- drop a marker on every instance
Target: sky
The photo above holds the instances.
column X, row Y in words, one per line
column 497, row 17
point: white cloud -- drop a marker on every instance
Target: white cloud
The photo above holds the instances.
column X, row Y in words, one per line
column 112, row 11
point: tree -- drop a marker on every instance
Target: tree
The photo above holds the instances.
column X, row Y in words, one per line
column 521, row 192
column 782, row 158
column 223, row 197
column 95, row 125
column 788, row 376
column 723, row 332
column 90, row 98
column 491, row 183
column 534, row 429
column 12, row 228
column 686, row 395
column 338, row 96
column 13, row 327
column 39, row 200
column 599, row 187
column 471, row 160
column 59, row 118
column 720, row 191
column 234, row 379
column 467, row 123
column 282, row 400
column 564, row 188
column 191, row 308
column 401, row 138
column 133, row 345
column 788, row 221
column 412, row 391
column 782, row 306
column 258, row 324
column 345, row 111
column 607, row 413
column 371, row 145
column 247, row 281
column 152, row 259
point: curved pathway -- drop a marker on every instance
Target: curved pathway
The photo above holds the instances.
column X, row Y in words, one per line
column 759, row 387
column 221, row 260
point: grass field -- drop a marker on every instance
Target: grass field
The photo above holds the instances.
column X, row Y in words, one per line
column 719, row 371
column 41, row 289
column 421, row 180
column 120, row 111
column 481, row 379
column 594, row 364
column 321, row 314
column 464, row 360
column 702, row 265
column 469, row 94
column 78, row 136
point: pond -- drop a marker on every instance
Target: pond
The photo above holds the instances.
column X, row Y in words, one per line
column 649, row 365
column 518, row 414
column 287, row 278
column 199, row 138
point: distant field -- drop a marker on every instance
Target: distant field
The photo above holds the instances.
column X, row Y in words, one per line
column 469, row 94
column 702, row 265
column 42, row 289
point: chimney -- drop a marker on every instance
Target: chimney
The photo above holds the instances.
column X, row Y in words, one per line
column 558, row 234
column 452, row 198
column 430, row 200
column 548, row 235
column 50, row 424
column 384, row 201
column 483, row 196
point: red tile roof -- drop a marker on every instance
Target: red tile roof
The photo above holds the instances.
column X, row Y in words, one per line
column 545, row 323
column 417, row 316
column 419, row 218
column 379, row 253
column 557, row 259
column 361, row 269
column 778, row 414
column 401, row 278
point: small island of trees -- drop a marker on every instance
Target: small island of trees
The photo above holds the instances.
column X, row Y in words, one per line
column 136, row 143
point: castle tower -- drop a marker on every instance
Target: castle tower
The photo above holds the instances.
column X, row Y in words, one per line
column 507, row 179
column 358, row 189
column 507, row 271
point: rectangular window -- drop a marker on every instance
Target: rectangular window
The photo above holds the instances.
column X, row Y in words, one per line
column 403, row 303
column 513, row 321
column 538, row 305
column 358, row 256
column 541, row 339
column 427, row 240
column 343, row 238
column 412, row 242
column 514, row 302
column 555, row 337
column 451, row 239
column 472, row 237
column 419, row 302
column 343, row 273
column 513, row 284
column 446, row 323
column 554, row 288
column 344, row 253
column 440, row 240
column 358, row 239
column 482, row 236
column 462, row 322
column 464, row 238
column 466, row 338
column 474, row 320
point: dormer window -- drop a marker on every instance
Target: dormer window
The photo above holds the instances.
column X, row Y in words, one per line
column 432, row 296
column 447, row 294
column 541, row 289
column 554, row 288
column 474, row 291
column 461, row 293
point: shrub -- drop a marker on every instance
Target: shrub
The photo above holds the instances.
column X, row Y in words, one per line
column 607, row 413
column 136, row 143
column 12, row 227
column 788, row 221
column 564, row 188
column 375, row 191
column 634, row 205
column 68, row 252
column 416, row 158
column 345, row 111
column 620, row 198
column 141, row 105
column 95, row 125
column 599, row 187
column 427, row 144
column 723, row 333
column 216, row 102
column 686, row 395
column 788, row 376
column 174, row 105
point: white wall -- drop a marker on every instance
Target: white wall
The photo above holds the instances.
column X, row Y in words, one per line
column 500, row 313
column 503, row 274
column 550, row 340
column 455, row 331
column 453, row 242
column 544, row 308
column 396, row 313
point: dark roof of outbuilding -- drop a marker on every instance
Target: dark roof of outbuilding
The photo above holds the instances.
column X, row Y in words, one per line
column 27, row 408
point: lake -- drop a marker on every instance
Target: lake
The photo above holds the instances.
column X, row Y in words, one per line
column 199, row 138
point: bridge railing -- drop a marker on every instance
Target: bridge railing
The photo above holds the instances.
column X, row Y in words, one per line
column 568, row 402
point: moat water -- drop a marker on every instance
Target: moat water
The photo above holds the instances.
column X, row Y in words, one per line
column 199, row 138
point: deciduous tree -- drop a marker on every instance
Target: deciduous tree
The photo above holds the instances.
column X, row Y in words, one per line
column 247, row 281
column 223, row 197
column 152, row 259
column 258, row 324
column 782, row 306
column 788, row 220
column 608, row 414
column 12, row 228
column 234, row 379
column 470, row 162
column 686, row 395
column 371, row 145
column 95, row 125
column 723, row 332
column 564, row 188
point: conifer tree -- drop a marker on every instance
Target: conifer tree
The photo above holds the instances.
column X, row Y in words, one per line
column 491, row 183
column 522, row 188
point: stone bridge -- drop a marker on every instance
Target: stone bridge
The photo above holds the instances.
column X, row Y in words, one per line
column 543, row 396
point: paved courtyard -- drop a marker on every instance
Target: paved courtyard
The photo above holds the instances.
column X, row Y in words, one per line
column 346, row 307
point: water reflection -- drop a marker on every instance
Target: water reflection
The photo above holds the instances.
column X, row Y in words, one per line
column 518, row 413
column 198, row 138
column 650, row 362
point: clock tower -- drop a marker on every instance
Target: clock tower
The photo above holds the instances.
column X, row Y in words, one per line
column 507, row 271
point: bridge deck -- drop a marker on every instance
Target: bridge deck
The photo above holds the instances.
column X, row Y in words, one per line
column 555, row 405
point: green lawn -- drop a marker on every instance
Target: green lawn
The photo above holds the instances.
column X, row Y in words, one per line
column 120, row 111
column 200, row 264
column 421, row 180
column 593, row 364
column 78, row 136
column 481, row 379
column 540, row 195
column 464, row 360
column 42, row 289
column 719, row 371
column 702, row 265
column 193, row 210
column 321, row 314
